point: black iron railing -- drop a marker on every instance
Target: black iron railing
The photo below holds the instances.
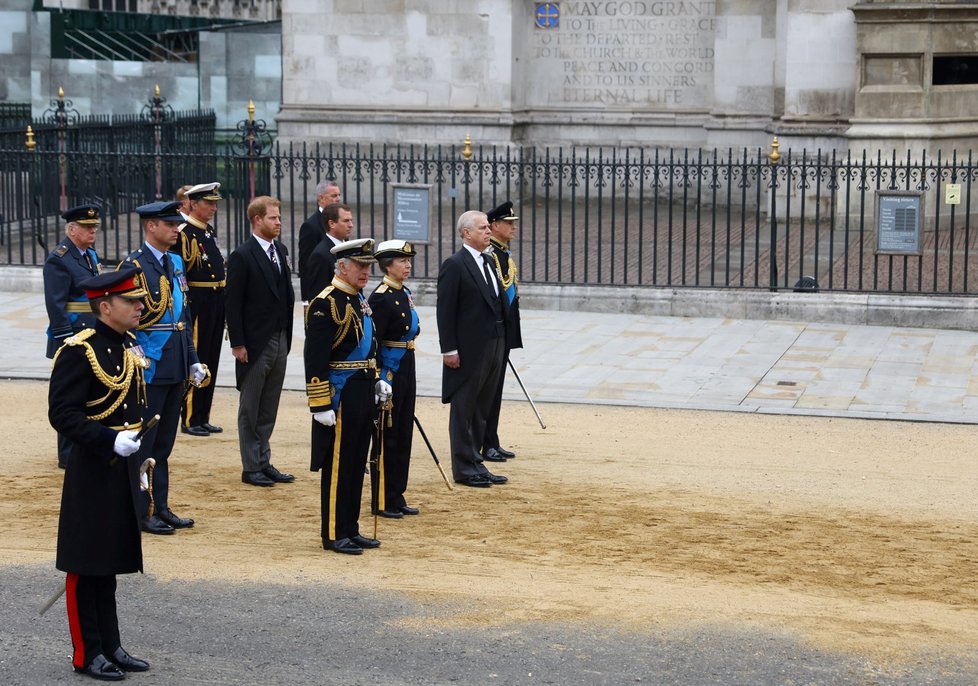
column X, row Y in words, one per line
column 643, row 217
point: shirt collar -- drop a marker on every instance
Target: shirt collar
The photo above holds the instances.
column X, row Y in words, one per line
column 156, row 253
column 262, row 242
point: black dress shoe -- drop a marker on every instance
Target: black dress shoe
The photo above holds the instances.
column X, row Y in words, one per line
column 277, row 476
column 408, row 510
column 195, row 430
column 256, row 479
column 391, row 514
column 493, row 455
column 62, row 465
column 343, row 545
column 155, row 525
column 508, row 454
column 211, row 428
column 126, row 662
column 174, row 521
column 365, row 542
column 102, row 669
column 495, row 478
column 474, row 481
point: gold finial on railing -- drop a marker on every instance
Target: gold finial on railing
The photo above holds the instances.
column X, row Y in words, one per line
column 251, row 110
column 61, row 93
column 467, row 150
column 774, row 156
column 156, row 91
column 31, row 143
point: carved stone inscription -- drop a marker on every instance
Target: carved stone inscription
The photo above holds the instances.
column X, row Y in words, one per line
column 647, row 54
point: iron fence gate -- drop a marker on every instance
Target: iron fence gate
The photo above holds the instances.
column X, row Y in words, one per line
column 643, row 217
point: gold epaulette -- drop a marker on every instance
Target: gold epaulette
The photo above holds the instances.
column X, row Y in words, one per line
column 382, row 288
column 80, row 337
column 322, row 295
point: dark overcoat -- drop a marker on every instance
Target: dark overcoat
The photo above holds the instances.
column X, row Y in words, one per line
column 98, row 528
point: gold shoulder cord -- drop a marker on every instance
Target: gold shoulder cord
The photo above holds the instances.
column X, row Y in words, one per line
column 120, row 383
column 349, row 317
column 190, row 251
column 505, row 281
column 154, row 309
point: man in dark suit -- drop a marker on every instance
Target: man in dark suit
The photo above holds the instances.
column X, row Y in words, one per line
column 71, row 262
column 502, row 225
column 203, row 262
column 471, row 311
column 96, row 399
column 259, row 316
column 314, row 228
column 321, row 264
column 165, row 336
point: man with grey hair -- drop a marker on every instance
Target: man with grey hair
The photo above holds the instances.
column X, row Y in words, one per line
column 471, row 312
column 314, row 228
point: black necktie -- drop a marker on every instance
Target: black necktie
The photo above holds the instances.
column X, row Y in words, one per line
column 166, row 265
column 91, row 265
column 273, row 256
column 489, row 279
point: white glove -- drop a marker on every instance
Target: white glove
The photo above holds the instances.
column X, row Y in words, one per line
column 327, row 418
column 198, row 373
column 382, row 392
column 124, row 443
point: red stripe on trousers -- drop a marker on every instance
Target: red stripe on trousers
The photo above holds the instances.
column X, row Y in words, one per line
column 74, row 624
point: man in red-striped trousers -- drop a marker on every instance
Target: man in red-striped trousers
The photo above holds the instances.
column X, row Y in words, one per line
column 96, row 399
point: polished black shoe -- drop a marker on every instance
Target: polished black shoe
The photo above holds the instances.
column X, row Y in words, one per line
column 155, row 525
column 475, row 481
column 493, row 455
column 211, row 428
column 391, row 514
column 256, row 479
column 126, row 662
column 508, row 454
column 195, row 430
column 343, row 545
column 277, row 476
column 495, row 478
column 174, row 521
column 365, row 542
column 408, row 510
column 100, row 668
column 62, row 465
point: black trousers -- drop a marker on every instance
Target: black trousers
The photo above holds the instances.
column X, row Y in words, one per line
column 92, row 618
column 470, row 406
column 398, row 436
column 207, row 306
column 491, row 437
column 164, row 400
column 343, row 449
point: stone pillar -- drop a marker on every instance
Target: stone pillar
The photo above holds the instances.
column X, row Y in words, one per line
column 917, row 78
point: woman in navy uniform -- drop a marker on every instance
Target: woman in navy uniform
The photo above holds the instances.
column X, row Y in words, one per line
column 396, row 327
column 97, row 398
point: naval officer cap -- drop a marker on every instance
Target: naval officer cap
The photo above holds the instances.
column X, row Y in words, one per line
column 86, row 215
column 503, row 213
column 163, row 210
column 205, row 191
column 360, row 250
column 122, row 283
column 394, row 248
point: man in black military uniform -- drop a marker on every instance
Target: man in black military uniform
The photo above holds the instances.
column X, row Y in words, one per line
column 164, row 334
column 96, row 399
column 343, row 391
column 502, row 225
column 396, row 327
column 205, row 275
column 70, row 263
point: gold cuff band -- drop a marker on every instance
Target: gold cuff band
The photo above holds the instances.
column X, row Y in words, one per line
column 399, row 344
column 79, row 307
